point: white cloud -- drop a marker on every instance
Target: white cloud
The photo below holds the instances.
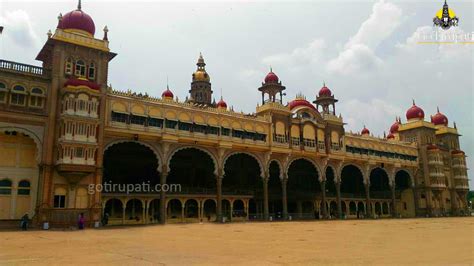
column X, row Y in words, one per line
column 357, row 59
column 19, row 29
column 300, row 56
column 376, row 114
column 385, row 18
column 358, row 56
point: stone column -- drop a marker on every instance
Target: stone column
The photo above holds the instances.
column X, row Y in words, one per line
column 182, row 212
column 265, row 198
column 124, row 206
column 368, row 208
column 163, row 177
column 323, row 206
column 394, row 207
column 284, row 198
column 338, row 199
column 219, row 198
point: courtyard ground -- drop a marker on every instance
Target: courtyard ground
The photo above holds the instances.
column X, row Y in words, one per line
column 442, row 241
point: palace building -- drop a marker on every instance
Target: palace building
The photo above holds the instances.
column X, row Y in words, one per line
column 64, row 133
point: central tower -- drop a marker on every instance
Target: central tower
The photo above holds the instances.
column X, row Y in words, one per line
column 201, row 85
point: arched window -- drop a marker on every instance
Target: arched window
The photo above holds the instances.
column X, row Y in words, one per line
column 37, row 98
column 80, row 70
column 5, row 187
column 59, row 197
column 68, row 66
column 92, row 71
column 3, row 93
column 18, row 96
column 24, row 187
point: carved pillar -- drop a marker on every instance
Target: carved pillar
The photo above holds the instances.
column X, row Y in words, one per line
column 183, row 206
column 324, row 212
column 394, row 207
column 338, row 199
column 219, row 198
column 368, row 208
column 284, row 199
column 265, row 198
column 163, row 177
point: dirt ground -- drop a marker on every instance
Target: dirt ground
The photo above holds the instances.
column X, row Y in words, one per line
column 439, row 241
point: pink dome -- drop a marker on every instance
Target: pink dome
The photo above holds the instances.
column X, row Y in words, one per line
column 365, row 131
column 78, row 20
column 221, row 104
column 271, row 77
column 415, row 112
column 439, row 119
column 390, row 136
column 167, row 93
column 300, row 102
column 325, row 91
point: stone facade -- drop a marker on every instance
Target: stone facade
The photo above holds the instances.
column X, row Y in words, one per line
column 58, row 121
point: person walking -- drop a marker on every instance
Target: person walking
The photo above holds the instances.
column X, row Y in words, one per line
column 80, row 223
column 24, row 222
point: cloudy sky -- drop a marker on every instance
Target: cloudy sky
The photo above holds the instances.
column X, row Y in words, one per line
column 365, row 51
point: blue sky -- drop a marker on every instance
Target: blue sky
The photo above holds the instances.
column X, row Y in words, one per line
column 363, row 50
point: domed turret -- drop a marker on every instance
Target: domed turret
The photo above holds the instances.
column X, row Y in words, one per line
column 365, row 131
column 395, row 126
column 200, row 74
column 167, row 94
column 415, row 113
column 77, row 20
column 271, row 77
column 221, row 104
column 439, row 119
column 324, row 91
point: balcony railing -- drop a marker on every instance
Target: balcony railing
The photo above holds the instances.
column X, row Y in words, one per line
column 23, row 68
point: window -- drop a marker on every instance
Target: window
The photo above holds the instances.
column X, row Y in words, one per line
column 170, row 124
column 36, row 98
column 82, row 198
column 79, row 152
column 24, row 187
column 3, row 93
column 80, row 70
column 5, row 187
column 91, row 71
column 18, row 96
column 68, row 66
column 137, row 120
column 60, row 197
column 119, row 117
column 155, row 122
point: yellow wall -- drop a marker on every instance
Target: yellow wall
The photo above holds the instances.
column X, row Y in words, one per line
column 408, row 198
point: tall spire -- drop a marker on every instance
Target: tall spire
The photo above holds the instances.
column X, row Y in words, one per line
column 79, row 5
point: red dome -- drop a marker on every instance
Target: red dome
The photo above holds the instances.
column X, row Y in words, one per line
column 394, row 127
column 325, row 91
column 415, row 112
column 390, row 136
column 271, row 77
column 222, row 104
column 365, row 131
column 78, row 20
column 81, row 82
column 300, row 102
column 439, row 119
column 167, row 94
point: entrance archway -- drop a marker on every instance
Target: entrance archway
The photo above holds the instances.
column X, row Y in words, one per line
column 238, row 210
column 275, row 204
column 114, row 208
column 243, row 177
column 209, row 212
column 193, row 169
column 302, row 186
column 404, row 193
column 134, row 212
column 379, row 184
column 352, row 182
column 154, row 211
column 174, row 211
column 191, row 210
